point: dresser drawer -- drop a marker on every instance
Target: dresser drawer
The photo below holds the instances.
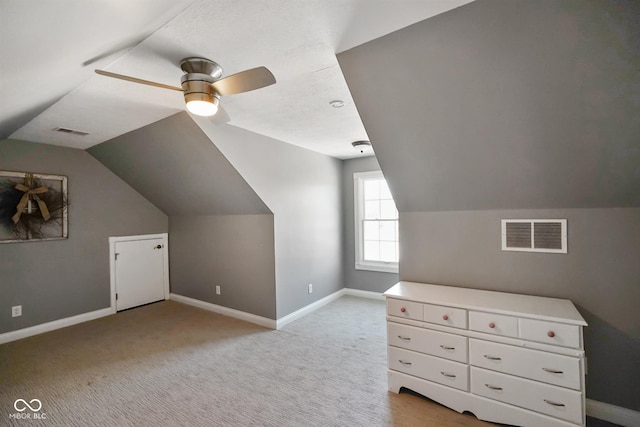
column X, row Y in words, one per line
column 537, row 365
column 431, row 368
column 551, row 400
column 441, row 344
column 550, row 332
column 496, row 324
column 448, row 316
column 404, row 309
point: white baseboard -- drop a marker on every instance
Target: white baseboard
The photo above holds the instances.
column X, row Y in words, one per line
column 252, row 318
column 270, row 323
column 364, row 294
column 51, row 326
column 308, row 309
column 612, row 413
column 226, row 311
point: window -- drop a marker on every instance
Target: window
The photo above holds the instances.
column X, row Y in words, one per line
column 376, row 223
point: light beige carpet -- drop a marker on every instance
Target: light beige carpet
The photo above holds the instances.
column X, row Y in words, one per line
column 169, row 364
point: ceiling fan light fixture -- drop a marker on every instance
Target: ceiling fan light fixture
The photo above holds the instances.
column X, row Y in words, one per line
column 202, row 104
column 202, row 84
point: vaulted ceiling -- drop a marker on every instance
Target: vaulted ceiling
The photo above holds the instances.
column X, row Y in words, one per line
column 507, row 105
column 48, row 51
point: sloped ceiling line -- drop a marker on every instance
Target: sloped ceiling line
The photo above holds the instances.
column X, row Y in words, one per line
column 293, row 39
column 48, row 50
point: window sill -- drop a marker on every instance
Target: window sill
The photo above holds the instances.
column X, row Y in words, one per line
column 382, row 267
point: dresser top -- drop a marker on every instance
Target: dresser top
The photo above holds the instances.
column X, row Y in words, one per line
column 535, row 307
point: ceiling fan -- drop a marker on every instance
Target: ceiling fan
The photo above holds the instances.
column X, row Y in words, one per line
column 203, row 84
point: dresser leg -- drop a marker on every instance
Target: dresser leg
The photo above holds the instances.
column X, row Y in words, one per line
column 393, row 382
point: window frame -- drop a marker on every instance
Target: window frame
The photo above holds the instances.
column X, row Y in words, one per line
column 358, row 200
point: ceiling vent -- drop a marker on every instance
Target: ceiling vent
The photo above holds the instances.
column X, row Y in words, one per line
column 534, row 235
column 71, row 131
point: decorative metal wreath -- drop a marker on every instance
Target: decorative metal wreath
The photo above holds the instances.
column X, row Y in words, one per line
column 27, row 207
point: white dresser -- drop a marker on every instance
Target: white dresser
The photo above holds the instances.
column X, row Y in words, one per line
column 507, row 358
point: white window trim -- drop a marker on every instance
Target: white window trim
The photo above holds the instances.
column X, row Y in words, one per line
column 358, row 195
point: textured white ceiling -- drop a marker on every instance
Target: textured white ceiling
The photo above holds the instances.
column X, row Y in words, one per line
column 44, row 44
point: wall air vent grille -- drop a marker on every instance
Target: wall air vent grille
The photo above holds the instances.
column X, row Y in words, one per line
column 534, row 235
column 71, row 131
column 518, row 234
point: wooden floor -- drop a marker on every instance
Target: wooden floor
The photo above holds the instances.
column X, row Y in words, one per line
column 411, row 409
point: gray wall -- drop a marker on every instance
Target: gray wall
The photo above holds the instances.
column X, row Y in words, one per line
column 358, row 279
column 235, row 252
column 58, row 279
column 600, row 274
column 177, row 167
column 502, row 104
column 173, row 164
column 518, row 109
column 302, row 189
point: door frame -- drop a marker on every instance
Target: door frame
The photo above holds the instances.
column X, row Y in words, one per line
column 112, row 259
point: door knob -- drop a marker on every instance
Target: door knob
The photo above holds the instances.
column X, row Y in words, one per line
column 158, row 247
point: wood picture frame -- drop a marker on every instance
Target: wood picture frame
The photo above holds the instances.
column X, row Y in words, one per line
column 44, row 215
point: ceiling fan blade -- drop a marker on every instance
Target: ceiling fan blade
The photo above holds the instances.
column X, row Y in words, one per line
column 137, row 80
column 244, row 81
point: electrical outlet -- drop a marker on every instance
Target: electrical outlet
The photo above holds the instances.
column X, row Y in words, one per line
column 217, row 289
column 16, row 311
column 310, row 288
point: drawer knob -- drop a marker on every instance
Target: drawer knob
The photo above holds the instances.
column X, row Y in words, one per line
column 493, row 387
column 446, row 347
column 403, row 309
column 552, row 371
column 448, row 375
column 492, row 325
column 445, row 317
column 405, row 363
column 551, row 334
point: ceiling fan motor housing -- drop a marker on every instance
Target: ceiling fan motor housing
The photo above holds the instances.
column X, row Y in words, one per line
column 197, row 87
column 196, row 83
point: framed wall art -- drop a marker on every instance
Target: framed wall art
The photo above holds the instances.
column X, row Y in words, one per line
column 33, row 207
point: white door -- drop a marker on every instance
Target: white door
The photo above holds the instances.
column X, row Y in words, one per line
column 139, row 272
